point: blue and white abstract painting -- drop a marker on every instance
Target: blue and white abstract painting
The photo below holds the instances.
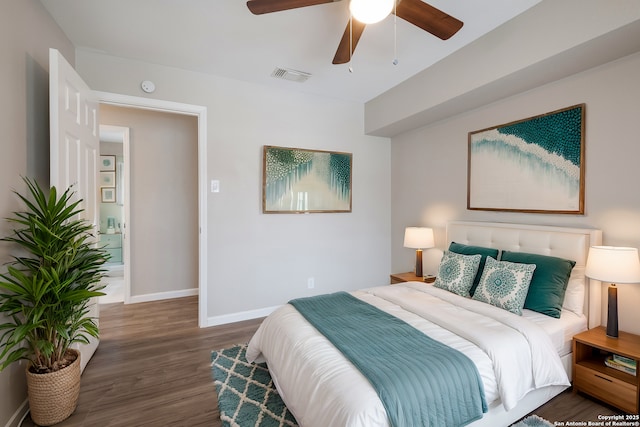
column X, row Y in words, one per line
column 299, row 181
column 533, row 165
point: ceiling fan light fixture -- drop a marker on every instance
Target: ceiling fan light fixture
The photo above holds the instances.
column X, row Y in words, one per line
column 370, row 11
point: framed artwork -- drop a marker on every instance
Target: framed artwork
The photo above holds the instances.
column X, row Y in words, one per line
column 107, row 179
column 107, row 163
column 532, row 165
column 108, row 195
column 297, row 180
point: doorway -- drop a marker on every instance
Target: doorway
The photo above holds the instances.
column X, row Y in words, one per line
column 162, row 225
column 114, row 211
column 199, row 220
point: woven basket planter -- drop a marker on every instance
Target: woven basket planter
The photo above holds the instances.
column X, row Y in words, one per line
column 53, row 397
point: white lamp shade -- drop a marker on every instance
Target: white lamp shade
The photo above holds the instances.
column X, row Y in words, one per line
column 613, row 264
column 418, row 238
column 370, row 11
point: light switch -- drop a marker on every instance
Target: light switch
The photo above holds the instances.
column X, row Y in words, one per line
column 215, row 186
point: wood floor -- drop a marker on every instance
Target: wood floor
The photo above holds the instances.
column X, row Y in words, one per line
column 152, row 368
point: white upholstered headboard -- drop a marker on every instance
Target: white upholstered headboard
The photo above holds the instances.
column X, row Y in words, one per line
column 568, row 243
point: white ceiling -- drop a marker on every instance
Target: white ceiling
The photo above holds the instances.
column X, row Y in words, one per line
column 223, row 38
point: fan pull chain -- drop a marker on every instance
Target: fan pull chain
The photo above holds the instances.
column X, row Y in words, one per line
column 395, row 33
column 350, row 41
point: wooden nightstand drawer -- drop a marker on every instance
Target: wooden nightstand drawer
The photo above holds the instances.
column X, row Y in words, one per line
column 606, row 388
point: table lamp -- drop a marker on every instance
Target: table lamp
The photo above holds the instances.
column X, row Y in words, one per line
column 418, row 238
column 614, row 265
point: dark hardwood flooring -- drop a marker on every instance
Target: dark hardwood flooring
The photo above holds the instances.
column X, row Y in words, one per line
column 152, row 368
column 568, row 406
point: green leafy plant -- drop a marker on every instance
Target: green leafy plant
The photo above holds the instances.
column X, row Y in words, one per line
column 46, row 290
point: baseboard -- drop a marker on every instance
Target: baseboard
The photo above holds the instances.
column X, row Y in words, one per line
column 19, row 415
column 240, row 316
column 162, row 295
column 211, row 321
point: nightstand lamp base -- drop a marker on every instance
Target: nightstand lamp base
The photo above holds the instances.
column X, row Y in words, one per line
column 612, row 312
column 419, row 262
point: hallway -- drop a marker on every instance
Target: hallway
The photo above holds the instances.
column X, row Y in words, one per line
column 114, row 284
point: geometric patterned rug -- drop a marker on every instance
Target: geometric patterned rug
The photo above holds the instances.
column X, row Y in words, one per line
column 533, row 421
column 246, row 394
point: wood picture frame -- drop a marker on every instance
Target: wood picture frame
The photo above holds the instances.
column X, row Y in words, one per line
column 107, row 179
column 107, row 163
column 298, row 180
column 534, row 165
column 108, row 194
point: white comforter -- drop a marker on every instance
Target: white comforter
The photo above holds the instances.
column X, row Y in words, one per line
column 322, row 388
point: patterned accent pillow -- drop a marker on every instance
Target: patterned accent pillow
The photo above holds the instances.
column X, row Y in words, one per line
column 505, row 284
column 459, row 248
column 456, row 272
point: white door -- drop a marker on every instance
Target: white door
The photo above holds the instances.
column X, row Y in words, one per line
column 74, row 148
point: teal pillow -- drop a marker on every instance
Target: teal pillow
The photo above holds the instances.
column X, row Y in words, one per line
column 549, row 282
column 456, row 272
column 505, row 284
column 459, row 248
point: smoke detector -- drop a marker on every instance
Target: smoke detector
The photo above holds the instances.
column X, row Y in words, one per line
column 148, row 86
column 291, row 75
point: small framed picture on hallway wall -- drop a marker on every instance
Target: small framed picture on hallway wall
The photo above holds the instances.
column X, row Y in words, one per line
column 107, row 179
column 108, row 195
column 107, row 163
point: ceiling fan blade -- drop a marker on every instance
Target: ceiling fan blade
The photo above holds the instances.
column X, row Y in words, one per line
column 350, row 37
column 428, row 18
column 258, row 7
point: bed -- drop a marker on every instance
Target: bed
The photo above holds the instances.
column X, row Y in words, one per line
column 321, row 387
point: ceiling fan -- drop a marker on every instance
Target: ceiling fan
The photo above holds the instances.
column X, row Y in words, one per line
column 416, row 12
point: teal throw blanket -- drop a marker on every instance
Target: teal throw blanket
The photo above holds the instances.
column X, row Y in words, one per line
column 420, row 381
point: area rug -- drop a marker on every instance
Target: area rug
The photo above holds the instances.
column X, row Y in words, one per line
column 246, row 394
column 533, row 421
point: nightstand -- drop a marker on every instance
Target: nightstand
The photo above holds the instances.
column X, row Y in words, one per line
column 409, row 277
column 592, row 376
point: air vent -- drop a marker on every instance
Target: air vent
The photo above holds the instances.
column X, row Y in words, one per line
column 292, row 75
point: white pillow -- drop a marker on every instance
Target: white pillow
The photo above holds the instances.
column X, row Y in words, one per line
column 456, row 272
column 505, row 284
column 574, row 296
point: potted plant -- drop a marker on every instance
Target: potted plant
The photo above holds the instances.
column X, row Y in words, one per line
column 44, row 298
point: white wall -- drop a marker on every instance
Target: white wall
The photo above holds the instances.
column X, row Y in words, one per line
column 429, row 166
column 255, row 260
column 27, row 32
